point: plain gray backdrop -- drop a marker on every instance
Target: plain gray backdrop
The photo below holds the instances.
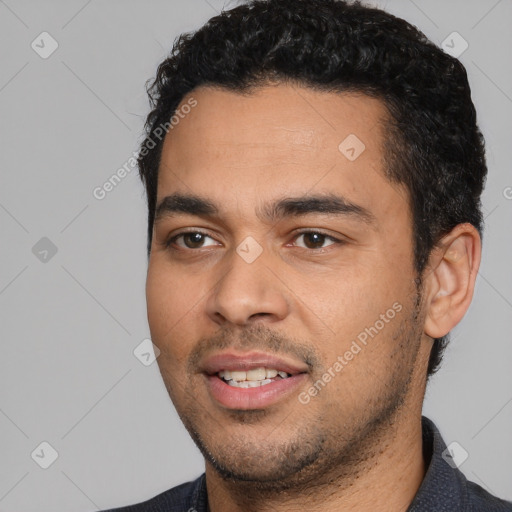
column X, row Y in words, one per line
column 73, row 267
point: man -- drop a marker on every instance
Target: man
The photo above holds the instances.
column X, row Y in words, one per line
column 313, row 171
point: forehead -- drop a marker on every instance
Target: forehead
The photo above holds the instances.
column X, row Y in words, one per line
column 283, row 116
column 278, row 140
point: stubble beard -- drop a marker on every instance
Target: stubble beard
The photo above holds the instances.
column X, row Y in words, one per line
column 319, row 452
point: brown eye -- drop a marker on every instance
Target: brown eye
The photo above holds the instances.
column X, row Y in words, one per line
column 315, row 239
column 191, row 240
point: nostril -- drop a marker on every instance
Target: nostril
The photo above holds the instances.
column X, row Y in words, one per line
column 257, row 315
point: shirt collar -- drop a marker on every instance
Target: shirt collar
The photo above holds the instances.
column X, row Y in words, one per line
column 444, row 487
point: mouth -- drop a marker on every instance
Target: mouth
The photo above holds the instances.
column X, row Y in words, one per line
column 252, row 380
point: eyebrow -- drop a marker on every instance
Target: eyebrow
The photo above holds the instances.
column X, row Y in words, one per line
column 327, row 204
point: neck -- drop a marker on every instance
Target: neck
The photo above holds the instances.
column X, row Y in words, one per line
column 387, row 481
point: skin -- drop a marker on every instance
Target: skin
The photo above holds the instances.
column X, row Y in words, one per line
column 356, row 445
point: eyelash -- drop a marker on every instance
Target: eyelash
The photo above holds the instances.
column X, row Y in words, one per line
column 168, row 243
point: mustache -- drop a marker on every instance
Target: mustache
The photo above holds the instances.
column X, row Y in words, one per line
column 255, row 337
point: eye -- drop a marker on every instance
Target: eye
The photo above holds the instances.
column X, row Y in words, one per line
column 191, row 240
column 315, row 239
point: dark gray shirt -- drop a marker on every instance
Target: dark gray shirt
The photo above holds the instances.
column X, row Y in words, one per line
column 444, row 488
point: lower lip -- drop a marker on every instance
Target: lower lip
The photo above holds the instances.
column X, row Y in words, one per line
column 253, row 398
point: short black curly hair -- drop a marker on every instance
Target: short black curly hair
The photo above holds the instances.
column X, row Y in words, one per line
column 433, row 145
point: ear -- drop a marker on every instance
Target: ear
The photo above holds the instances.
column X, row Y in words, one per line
column 450, row 279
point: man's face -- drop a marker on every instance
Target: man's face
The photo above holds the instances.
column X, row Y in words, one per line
column 326, row 296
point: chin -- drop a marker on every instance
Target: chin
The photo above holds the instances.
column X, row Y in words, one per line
column 282, row 463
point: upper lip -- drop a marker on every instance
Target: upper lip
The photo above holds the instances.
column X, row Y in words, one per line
column 248, row 361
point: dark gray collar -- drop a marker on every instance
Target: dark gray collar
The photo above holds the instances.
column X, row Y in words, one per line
column 443, row 487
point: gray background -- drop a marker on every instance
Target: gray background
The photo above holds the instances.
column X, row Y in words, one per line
column 69, row 325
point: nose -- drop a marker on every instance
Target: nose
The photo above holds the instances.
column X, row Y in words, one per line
column 248, row 291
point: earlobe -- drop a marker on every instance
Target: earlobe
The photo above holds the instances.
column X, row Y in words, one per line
column 450, row 280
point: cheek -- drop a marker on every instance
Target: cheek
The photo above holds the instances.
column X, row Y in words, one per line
column 350, row 307
column 169, row 306
column 353, row 298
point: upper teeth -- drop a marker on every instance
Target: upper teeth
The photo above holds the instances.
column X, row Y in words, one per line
column 252, row 375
